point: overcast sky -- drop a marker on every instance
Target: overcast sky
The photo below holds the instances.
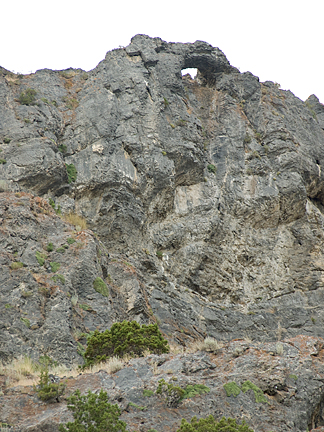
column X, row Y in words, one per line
column 281, row 41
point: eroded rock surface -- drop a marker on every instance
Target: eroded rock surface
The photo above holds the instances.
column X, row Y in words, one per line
column 206, row 198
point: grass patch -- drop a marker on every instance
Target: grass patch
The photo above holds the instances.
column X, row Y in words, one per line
column 211, row 168
column 78, row 221
column 71, row 172
column 100, row 286
column 16, row 265
column 55, row 266
column 40, row 258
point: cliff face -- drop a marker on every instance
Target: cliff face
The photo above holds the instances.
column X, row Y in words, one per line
column 206, row 197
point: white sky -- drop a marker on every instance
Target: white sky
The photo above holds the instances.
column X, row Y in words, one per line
column 281, row 41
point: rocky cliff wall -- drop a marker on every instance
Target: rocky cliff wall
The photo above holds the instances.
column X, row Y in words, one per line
column 205, row 196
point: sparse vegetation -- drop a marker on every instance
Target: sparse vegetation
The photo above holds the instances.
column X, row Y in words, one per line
column 59, row 278
column 166, row 102
column 55, row 266
column 27, row 97
column 25, row 321
column 41, row 257
column 6, row 140
column 127, row 337
column 50, row 247
column 44, row 100
column 46, row 390
column 71, row 172
column 62, row 148
column 16, row 265
column 209, row 424
column 100, row 286
column 232, row 388
column 71, row 103
column 93, row 413
column 211, row 168
column 70, row 240
column 78, row 221
column 159, row 254
column 3, row 161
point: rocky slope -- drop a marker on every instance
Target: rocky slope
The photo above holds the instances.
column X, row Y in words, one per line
column 204, row 201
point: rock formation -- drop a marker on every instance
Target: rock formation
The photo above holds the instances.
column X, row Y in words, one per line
column 204, row 200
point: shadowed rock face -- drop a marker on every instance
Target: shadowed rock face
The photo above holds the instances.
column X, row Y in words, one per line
column 221, row 175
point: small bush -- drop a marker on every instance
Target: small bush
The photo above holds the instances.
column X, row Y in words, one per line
column 6, row 140
column 124, row 338
column 40, row 258
column 70, row 240
column 71, row 172
column 60, row 249
column 211, row 345
column 46, row 390
column 258, row 393
column 194, row 390
column 209, row 424
column 50, row 247
column 93, row 413
column 3, row 161
column 211, row 168
column 55, row 266
column 16, row 265
column 159, row 254
column 62, row 148
column 232, row 388
column 148, row 393
column 174, row 394
column 27, row 97
column 100, row 286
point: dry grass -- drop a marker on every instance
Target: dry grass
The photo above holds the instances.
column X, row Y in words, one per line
column 114, row 364
column 25, row 372
column 78, row 221
column 211, row 345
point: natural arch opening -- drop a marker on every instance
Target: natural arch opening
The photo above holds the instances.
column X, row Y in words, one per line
column 191, row 71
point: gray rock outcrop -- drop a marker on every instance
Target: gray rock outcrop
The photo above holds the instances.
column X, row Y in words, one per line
column 206, row 197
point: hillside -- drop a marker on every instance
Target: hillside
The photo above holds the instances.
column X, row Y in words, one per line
column 200, row 205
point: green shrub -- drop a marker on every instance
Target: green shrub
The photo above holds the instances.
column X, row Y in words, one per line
column 70, row 240
column 71, row 172
column 27, row 97
column 55, row 266
column 6, row 140
column 100, row 286
column 16, row 265
column 40, row 258
column 60, row 249
column 46, row 390
column 62, row 148
column 209, row 424
column 258, row 393
column 25, row 321
column 93, row 413
column 194, row 390
column 3, row 161
column 211, row 168
column 124, row 338
column 159, row 254
column 148, row 393
column 174, row 394
column 232, row 388
column 50, row 247
column 44, row 100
